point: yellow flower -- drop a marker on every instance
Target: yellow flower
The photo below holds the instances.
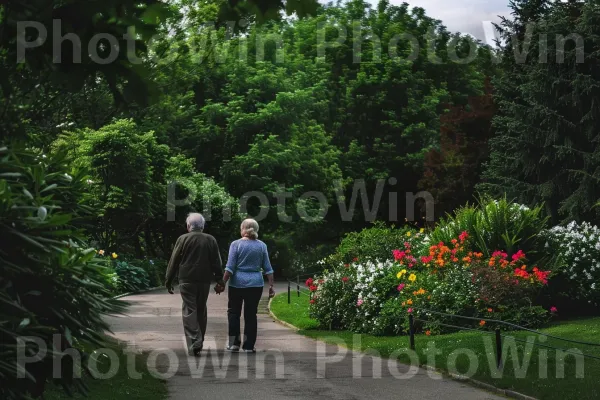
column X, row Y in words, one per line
column 422, row 230
column 400, row 274
column 101, row 252
column 412, row 277
column 114, row 255
column 408, row 233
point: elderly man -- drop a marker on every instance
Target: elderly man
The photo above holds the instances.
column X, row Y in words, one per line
column 196, row 262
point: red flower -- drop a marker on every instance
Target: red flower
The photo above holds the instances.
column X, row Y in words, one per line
column 309, row 282
column 500, row 254
column 347, row 265
column 312, row 301
column 355, row 259
column 345, row 279
column 553, row 309
column 426, row 259
column 518, row 255
column 313, row 288
column 398, row 255
column 463, row 236
column 541, row 276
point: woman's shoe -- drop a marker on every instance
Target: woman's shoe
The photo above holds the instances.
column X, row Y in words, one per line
column 233, row 348
column 249, row 351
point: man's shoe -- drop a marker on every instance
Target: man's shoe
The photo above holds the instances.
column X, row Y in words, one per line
column 197, row 351
column 233, row 348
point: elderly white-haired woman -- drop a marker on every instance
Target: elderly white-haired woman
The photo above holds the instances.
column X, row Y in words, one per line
column 247, row 262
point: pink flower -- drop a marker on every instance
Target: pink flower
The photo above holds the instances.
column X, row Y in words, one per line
column 359, row 302
column 410, row 310
column 553, row 309
column 463, row 236
column 401, row 286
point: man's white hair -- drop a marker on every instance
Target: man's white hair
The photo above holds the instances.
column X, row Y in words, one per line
column 195, row 222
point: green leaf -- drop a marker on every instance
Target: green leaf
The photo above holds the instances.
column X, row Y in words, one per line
column 27, row 193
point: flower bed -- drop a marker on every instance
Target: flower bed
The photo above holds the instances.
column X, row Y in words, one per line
column 376, row 296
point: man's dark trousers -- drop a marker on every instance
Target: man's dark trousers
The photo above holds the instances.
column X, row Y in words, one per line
column 194, row 296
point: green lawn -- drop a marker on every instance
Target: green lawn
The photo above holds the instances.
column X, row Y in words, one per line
column 121, row 386
column 532, row 382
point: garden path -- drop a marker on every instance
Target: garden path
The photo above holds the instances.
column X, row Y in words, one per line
column 285, row 367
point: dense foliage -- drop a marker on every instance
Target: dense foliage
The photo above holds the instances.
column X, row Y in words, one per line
column 545, row 147
column 51, row 281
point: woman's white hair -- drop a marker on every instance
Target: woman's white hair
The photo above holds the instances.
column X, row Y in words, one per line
column 195, row 222
column 249, row 228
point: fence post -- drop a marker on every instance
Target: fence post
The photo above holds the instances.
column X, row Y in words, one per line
column 498, row 348
column 411, row 330
column 289, row 292
column 298, row 284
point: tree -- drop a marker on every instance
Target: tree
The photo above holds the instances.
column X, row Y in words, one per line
column 451, row 173
column 545, row 146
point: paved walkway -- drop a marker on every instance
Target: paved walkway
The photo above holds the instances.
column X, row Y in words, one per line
column 287, row 366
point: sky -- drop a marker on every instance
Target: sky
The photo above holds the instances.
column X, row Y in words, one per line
column 464, row 16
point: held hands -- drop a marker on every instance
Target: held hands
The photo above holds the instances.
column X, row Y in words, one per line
column 219, row 288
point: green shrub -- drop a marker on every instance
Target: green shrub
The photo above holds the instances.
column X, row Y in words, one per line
column 496, row 225
column 50, row 282
column 334, row 299
column 375, row 243
column 131, row 278
column 155, row 269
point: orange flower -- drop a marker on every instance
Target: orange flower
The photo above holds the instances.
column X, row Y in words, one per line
column 524, row 267
column 428, row 333
column 481, row 323
column 490, row 310
column 409, row 302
